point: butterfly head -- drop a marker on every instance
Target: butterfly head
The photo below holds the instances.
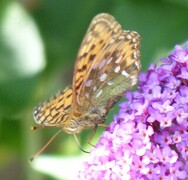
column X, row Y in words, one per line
column 71, row 127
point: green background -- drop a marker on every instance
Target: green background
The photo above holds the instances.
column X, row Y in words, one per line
column 61, row 25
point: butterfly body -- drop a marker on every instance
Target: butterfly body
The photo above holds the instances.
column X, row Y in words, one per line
column 107, row 65
column 88, row 120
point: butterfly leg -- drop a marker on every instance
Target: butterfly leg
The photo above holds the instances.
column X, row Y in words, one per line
column 92, row 134
column 94, row 131
column 113, row 101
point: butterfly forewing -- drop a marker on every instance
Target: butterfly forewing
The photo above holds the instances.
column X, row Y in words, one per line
column 56, row 110
column 115, row 66
column 100, row 31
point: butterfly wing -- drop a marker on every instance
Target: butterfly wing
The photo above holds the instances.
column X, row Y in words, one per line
column 116, row 72
column 55, row 110
column 105, row 71
column 102, row 27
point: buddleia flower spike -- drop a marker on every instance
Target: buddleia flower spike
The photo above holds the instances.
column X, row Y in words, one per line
column 148, row 139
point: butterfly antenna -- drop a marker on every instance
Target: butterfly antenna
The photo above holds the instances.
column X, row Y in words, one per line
column 33, row 128
column 45, row 146
column 79, row 144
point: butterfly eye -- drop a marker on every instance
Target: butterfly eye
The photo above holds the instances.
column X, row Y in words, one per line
column 71, row 127
column 73, row 124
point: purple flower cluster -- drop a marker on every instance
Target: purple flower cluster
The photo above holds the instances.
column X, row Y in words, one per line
column 148, row 139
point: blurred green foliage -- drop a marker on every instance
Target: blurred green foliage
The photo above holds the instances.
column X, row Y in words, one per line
column 59, row 27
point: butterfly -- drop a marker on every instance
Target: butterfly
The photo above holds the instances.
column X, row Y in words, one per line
column 107, row 65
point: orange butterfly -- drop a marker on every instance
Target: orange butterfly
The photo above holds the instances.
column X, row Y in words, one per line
column 107, row 65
